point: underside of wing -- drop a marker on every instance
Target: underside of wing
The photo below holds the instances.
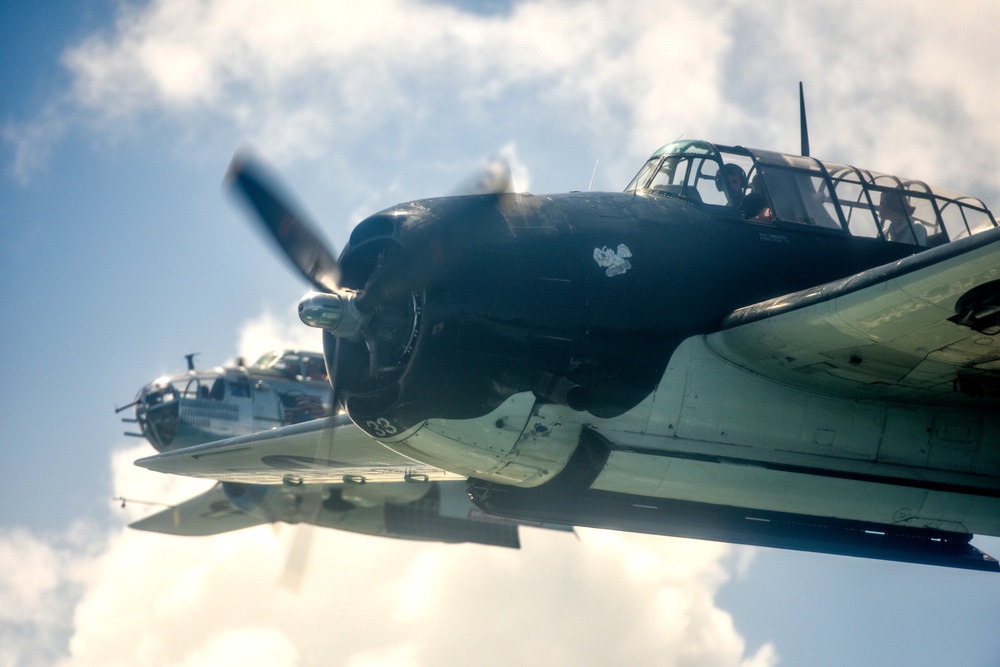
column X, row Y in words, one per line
column 210, row 513
column 325, row 450
column 921, row 330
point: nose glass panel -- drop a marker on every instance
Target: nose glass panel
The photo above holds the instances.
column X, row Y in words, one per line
column 157, row 412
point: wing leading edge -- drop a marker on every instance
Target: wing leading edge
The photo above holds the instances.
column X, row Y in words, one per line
column 919, row 330
column 321, row 451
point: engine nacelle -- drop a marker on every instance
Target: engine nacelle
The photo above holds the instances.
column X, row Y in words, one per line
column 524, row 442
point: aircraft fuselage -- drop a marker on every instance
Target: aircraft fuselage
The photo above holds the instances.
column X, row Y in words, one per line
column 542, row 323
column 512, row 295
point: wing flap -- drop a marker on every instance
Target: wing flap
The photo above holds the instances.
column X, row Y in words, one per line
column 325, row 450
column 893, row 332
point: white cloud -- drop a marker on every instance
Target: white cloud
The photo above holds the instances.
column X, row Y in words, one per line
column 41, row 576
column 766, row 656
column 890, row 87
column 148, row 600
column 248, row 646
column 305, row 81
column 396, row 657
column 32, row 141
column 268, row 332
column 310, row 80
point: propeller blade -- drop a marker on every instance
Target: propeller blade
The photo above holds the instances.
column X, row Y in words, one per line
column 298, row 558
column 331, row 352
column 300, row 550
column 492, row 178
column 290, row 229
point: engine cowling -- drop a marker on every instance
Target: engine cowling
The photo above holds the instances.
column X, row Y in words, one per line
column 472, row 300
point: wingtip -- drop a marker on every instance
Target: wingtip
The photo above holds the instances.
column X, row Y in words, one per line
column 145, row 462
column 158, row 463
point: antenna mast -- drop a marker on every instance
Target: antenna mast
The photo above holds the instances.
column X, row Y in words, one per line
column 803, row 129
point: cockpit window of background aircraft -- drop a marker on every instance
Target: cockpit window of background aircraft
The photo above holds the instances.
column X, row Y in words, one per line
column 293, row 364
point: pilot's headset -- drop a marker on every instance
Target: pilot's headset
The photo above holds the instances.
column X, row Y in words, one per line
column 724, row 174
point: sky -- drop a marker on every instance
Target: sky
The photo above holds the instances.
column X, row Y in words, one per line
column 120, row 253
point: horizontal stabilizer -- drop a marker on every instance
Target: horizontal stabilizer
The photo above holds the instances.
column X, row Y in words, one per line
column 210, row 513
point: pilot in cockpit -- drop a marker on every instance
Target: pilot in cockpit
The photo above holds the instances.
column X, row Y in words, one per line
column 732, row 181
column 895, row 211
column 755, row 205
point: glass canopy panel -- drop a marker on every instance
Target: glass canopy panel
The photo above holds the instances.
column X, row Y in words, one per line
column 979, row 220
column 954, row 221
column 692, row 147
column 801, row 197
column 783, row 160
column 854, row 201
column 670, row 176
column 704, row 178
column 925, row 215
column 642, row 178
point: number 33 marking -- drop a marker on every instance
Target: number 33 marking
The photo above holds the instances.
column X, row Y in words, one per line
column 381, row 427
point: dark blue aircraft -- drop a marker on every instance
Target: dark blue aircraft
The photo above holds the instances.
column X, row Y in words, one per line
column 744, row 346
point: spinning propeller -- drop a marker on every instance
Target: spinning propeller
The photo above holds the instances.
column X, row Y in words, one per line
column 345, row 314
column 335, row 309
column 330, row 307
column 385, row 303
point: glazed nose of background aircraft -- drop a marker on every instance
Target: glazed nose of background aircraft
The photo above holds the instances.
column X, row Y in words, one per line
column 157, row 409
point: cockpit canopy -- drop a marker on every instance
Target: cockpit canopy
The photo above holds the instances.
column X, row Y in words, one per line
column 292, row 364
column 768, row 187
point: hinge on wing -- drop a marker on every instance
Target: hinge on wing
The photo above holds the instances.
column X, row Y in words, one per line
column 979, row 309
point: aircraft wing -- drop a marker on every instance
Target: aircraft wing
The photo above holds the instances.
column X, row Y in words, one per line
column 321, row 451
column 919, row 330
column 209, row 513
